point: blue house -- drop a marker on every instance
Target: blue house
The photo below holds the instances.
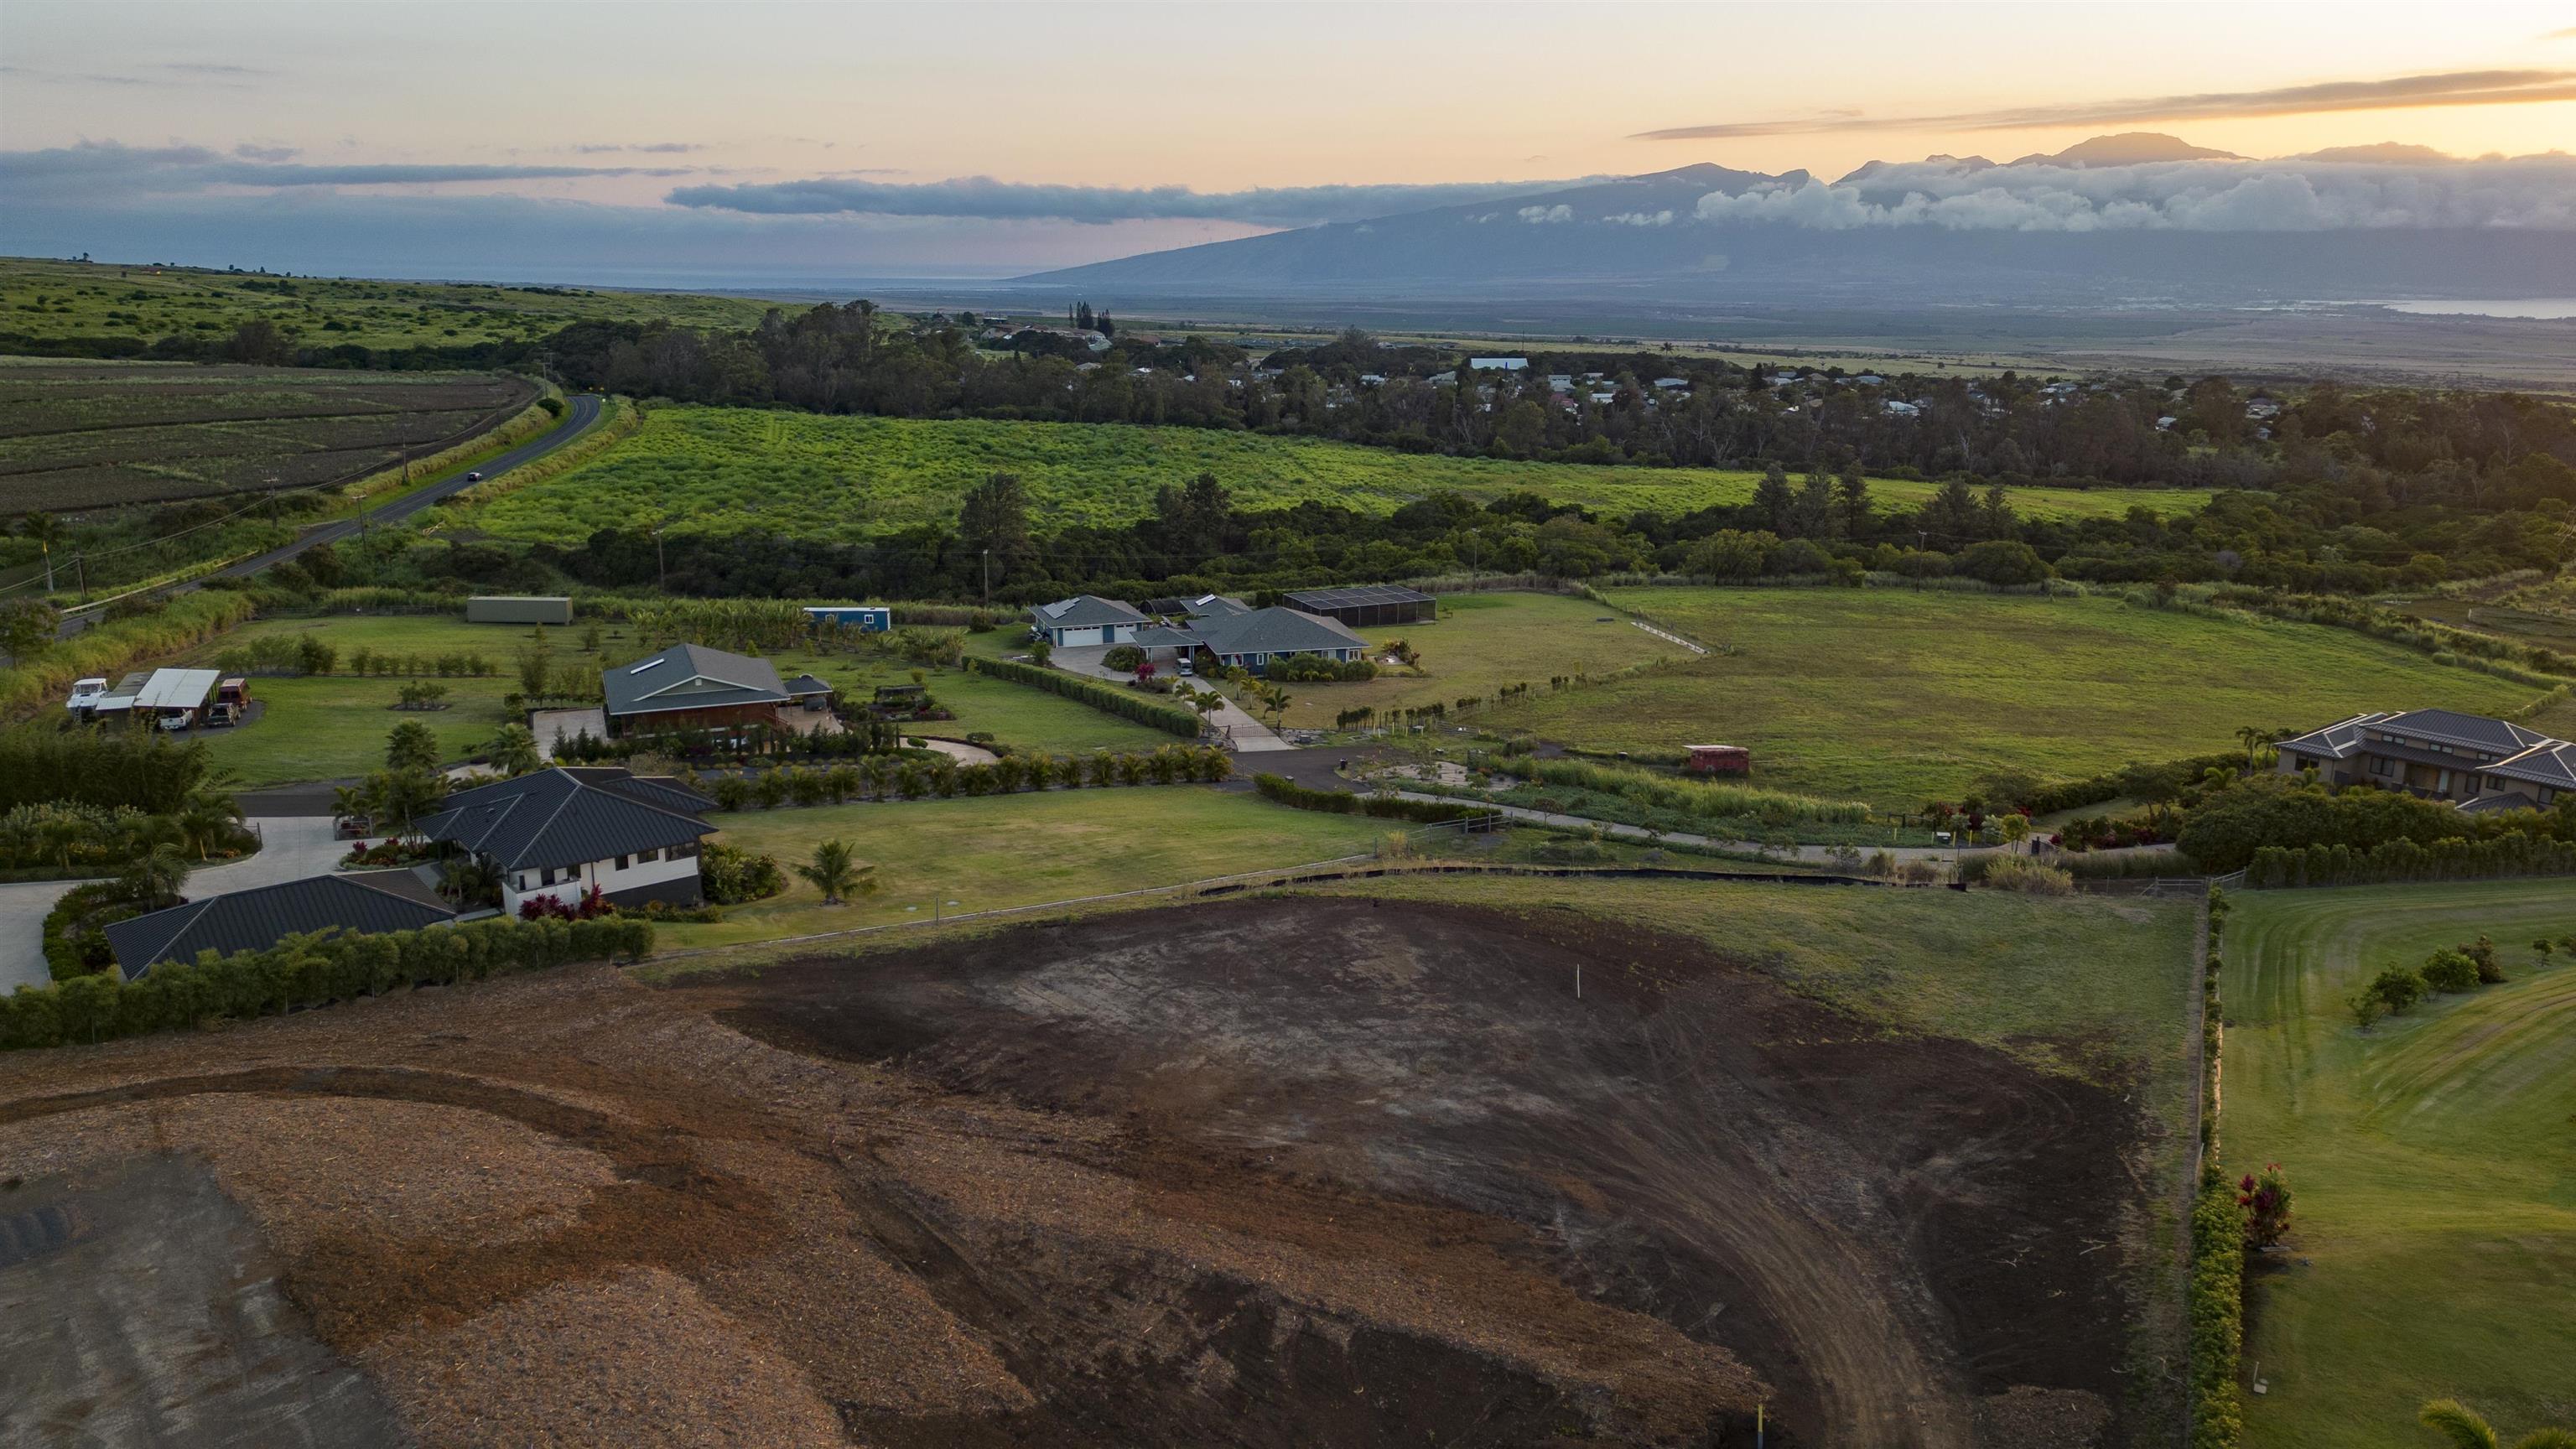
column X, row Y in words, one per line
column 866, row 618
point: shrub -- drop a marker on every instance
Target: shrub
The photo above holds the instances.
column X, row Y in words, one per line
column 2217, row 1314
column 2450, row 971
column 2396, row 988
column 1344, row 802
column 1124, row 657
column 2482, row 954
column 135, row 769
column 1709, row 798
column 1099, row 694
column 730, row 792
column 2021, row 873
column 731, row 875
column 2266, row 1200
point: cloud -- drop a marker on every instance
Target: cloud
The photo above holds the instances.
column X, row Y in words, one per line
column 2451, row 88
column 93, row 166
column 2530, row 193
column 660, row 148
column 983, row 196
column 1641, row 218
column 172, row 75
column 1542, row 215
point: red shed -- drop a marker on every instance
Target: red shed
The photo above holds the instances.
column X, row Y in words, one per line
column 1719, row 760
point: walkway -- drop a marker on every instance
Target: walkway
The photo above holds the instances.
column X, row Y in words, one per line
column 292, row 848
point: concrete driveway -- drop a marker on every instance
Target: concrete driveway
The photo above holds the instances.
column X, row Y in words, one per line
column 292, row 847
column 1235, row 726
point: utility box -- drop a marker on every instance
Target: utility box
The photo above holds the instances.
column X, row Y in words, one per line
column 518, row 609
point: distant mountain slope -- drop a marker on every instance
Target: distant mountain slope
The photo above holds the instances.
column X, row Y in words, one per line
column 1987, row 235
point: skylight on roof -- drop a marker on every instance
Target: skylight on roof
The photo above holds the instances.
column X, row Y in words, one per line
column 647, row 664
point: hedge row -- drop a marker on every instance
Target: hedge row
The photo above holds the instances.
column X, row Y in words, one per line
column 307, row 970
column 1099, row 694
column 2510, row 854
column 2217, row 1314
column 2075, row 794
column 41, row 763
column 1344, row 802
column 115, row 644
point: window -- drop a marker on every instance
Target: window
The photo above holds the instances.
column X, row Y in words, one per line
column 622, row 861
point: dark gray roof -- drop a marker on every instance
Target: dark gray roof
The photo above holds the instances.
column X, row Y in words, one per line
column 690, row 676
column 1357, row 596
column 2552, row 764
column 2453, row 728
column 805, row 684
column 1275, row 631
column 1083, row 611
column 1167, row 636
column 566, row 817
column 2337, row 741
column 369, row 903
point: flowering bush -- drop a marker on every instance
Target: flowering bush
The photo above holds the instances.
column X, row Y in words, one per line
column 2266, row 1200
column 593, row 903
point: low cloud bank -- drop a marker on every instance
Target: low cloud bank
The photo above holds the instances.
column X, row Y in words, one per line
column 2532, row 192
column 983, row 196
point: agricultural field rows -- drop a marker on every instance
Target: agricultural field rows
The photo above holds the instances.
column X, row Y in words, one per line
column 725, row 470
column 1899, row 696
column 88, row 435
column 2432, row 1243
column 47, row 300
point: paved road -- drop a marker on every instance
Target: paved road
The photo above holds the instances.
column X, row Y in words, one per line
column 291, row 848
column 581, row 413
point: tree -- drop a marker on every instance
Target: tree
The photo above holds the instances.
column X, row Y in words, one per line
column 1041, row 649
column 2265, row 1196
column 401, row 797
column 2250, row 736
column 2449, row 971
column 206, row 819
column 154, row 877
column 411, row 746
column 1851, row 497
column 1812, row 514
column 2467, row 1429
column 258, row 340
column 27, row 629
column 2015, row 828
column 835, row 872
column 993, row 524
column 514, row 750
column 1774, row 505
column 1732, row 555
column 592, row 637
column 536, row 661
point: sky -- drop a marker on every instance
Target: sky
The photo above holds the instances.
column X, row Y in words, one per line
column 539, row 141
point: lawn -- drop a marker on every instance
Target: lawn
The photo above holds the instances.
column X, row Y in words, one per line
column 1481, row 643
column 52, row 299
column 851, row 478
column 334, row 726
column 1897, row 696
column 2433, row 1247
column 984, row 853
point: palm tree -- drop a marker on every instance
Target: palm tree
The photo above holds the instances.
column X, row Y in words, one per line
column 206, row 819
column 514, row 749
column 2015, row 828
column 835, row 872
column 2249, row 736
column 403, row 796
column 348, row 802
column 2468, row 1430
column 154, row 876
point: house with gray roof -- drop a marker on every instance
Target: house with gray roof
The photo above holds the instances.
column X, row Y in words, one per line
column 365, row 903
column 565, row 832
column 2469, row 760
column 1252, row 639
column 1085, row 619
column 690, row 686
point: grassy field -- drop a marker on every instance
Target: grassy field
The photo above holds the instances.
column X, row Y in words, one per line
column 1897, row 696
column 46, row 300
column 332, row 726
column 848, row 478
column 980, row 854
column 1481, row 643
column 89, row 435
column 2433, row 1247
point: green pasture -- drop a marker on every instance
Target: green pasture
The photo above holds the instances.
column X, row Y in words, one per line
column 1897, row 696
column 1025, row 849
column 334, row 726
column 46, row 299
column 2432, row 1159
column 726, row 470
column 1481, row 643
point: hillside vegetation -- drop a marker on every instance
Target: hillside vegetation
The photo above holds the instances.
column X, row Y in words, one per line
column 725, row 470
column 1899, row 696
column 47, row 304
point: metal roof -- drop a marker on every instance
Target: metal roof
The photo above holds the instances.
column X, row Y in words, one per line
column 1357, row 596
column 690, row 676
column 1275, row 631
column 177, row 689
column 253, row 920
column 2453, row 728
column 805, row 684
column 1086, row 611
column 568, row 817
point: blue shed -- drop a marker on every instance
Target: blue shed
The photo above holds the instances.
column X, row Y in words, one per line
column 866, row 618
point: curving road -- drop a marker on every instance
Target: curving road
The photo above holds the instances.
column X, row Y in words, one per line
column 582, row 411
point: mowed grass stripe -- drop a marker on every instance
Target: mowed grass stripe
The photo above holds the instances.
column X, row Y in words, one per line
column 2434, row 1251
column 723, row 470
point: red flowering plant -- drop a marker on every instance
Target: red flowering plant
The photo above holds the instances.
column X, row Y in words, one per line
column 2266, row 1200
column 594, row 902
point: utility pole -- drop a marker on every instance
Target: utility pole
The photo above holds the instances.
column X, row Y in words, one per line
column 988, row 578
column 661, row 568
column 81, row 562
column 47, row 545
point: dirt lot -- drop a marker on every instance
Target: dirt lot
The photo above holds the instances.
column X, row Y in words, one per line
column 1261, row 1173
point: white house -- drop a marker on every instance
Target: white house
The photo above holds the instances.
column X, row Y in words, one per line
column 564, row 832
column 1085, row 619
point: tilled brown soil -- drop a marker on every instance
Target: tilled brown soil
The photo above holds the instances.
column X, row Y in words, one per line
column 1260, row 1173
